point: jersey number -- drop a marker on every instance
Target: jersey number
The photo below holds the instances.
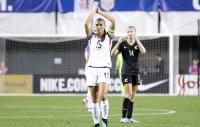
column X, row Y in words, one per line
column 106, row 74
column 98, row 46
column 131, row 53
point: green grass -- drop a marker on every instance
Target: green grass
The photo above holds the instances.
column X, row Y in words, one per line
column 67, row 111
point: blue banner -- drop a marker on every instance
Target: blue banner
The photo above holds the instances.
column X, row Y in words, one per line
column 131, row 5
column 65, row 6
column 108, row 5
column 180, row 5
column 27, row 5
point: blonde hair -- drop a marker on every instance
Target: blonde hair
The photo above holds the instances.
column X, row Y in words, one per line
column 132, row 27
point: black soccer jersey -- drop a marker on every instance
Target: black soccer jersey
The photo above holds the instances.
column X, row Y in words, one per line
column 130, row 55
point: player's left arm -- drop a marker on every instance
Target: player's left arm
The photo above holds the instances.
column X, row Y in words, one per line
column 141, row 47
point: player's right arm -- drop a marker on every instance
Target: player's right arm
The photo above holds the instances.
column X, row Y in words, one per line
column 115, row 49
column 87, row 53
column 88, row 31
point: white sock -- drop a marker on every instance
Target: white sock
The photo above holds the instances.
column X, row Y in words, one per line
column 89, row 99
column 96, row 113
column 104, row 109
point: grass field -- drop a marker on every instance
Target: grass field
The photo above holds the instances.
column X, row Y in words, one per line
column 68, row 111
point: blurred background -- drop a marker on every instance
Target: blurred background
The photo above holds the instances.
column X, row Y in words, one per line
column 42, row 45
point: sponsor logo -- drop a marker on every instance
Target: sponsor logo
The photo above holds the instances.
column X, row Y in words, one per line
column 148, row 86
column 107, row 4
column 196, row 4
column 62, row 85
column 187, row 85
column 18, row 84
column 126, row 80
column 71, row 85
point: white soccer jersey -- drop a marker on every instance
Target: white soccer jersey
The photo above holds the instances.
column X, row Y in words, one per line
column 100, row 51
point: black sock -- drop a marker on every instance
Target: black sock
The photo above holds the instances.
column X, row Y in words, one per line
column 105, row 121
column 130, row 109
column 125, row 107
column 96, row 125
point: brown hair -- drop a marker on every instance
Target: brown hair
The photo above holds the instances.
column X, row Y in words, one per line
column 101, row 19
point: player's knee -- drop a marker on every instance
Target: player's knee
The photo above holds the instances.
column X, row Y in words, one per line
column 103, row 97
column 130, row 97
column 94, row 99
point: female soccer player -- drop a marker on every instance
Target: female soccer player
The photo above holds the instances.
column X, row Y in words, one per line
column 99, row 63
column 130, row 50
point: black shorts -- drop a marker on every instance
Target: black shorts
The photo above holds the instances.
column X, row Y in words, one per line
column 133, row 79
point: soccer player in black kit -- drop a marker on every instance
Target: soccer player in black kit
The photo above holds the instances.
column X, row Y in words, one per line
column 130, row 50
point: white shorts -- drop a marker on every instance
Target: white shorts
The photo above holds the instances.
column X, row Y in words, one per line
column 97, row 75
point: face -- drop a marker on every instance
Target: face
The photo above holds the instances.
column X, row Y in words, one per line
column 131, row 32
column 194, row 62
column 100, row 26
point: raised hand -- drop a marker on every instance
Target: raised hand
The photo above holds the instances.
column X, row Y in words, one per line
column 121, row 39
column 96, row 7
column 136, row 37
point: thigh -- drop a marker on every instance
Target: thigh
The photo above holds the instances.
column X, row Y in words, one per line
column 91, row 76
column 134, row 90
column 103, row 75
column 128, row 89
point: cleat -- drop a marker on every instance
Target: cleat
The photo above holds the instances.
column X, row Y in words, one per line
column 131, row 120
column 89, row 109
column 96, row 125
column 85, row 103
column 123, row 120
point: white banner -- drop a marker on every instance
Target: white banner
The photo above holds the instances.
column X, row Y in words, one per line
column 186, row 85
column 27, row 23
column 146, row 23
column 180, row 23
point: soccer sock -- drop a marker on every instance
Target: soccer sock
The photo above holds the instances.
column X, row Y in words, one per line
column 104, row 109
column 130, row 109
column 96, row 125
column 89, row 98
column 104, row 122
column 96, row 113
column 125, row 107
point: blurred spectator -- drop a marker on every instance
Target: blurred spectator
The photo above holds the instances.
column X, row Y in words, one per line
column 193, row 68
column 159, row 64
column 3, row 68
column 119, row 63
column 145, row 71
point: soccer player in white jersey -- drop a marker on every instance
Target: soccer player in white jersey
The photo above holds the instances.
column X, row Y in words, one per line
column 99, row 64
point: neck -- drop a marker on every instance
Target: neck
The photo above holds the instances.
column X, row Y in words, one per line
column 131, row 40
column 100, row 34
